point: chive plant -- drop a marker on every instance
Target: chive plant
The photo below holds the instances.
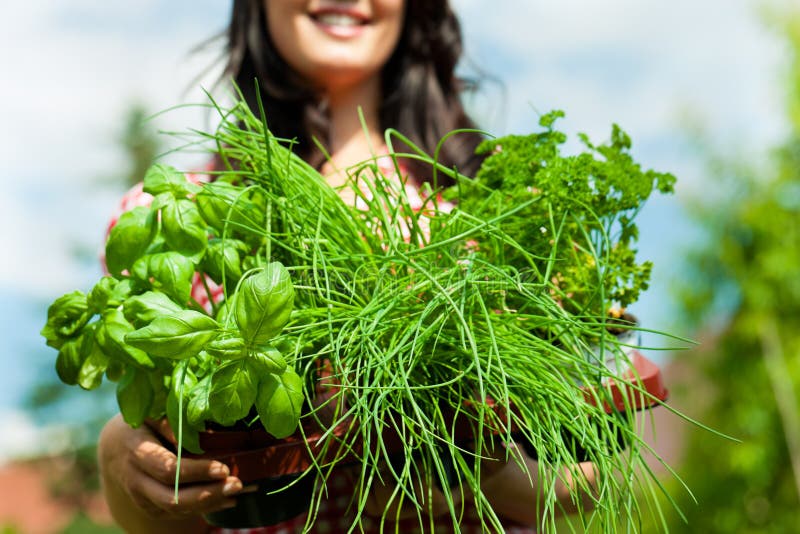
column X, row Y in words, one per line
column 449, row 334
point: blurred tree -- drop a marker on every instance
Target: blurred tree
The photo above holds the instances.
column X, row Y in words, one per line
column 140, row 143
column 750, row 268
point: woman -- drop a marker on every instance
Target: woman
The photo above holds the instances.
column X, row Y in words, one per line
column 318, row 62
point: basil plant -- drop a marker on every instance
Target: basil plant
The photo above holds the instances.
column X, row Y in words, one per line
column 142, row 328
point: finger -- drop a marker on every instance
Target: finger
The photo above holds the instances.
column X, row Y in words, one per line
column 251, row 488
column 160, row 463
column 191, row 500
column 162, row 428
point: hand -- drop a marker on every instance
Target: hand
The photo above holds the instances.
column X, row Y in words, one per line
column 516, row 492
column 138, row 475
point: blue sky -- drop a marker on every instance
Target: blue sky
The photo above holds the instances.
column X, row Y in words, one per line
column 71, row 69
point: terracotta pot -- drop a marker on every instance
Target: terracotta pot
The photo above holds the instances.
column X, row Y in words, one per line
column 643, row 374
column 256, row 457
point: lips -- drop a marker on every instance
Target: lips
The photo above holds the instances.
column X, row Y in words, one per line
column 340, row 22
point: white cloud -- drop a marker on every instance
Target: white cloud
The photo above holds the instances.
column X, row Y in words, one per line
column 22, row 438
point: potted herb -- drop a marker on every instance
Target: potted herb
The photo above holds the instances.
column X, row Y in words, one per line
column 435, row 333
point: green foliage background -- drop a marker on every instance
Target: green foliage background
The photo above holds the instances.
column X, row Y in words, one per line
column 749, row 267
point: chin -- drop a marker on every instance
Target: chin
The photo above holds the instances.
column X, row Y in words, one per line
column 333, row 75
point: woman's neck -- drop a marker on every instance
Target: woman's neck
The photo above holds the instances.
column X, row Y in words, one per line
column 351, row 140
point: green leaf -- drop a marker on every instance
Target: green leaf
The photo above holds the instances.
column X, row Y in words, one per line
column 224, row 312
column 183, row 227
column 198, row 410
column 134, row 396
column 279, row 402
column 95, row 361
column 110, row 336
column 158, row 408
column 129, row 239
column 269, row 360
column 162, row 178
column 169, row 272
column 233, row 392
column 223, row 256
column 178, row 336
column 263, row 304
column 69, row 361
column 232, row 348
column 143, row 309
column 225, row 205
column 108, row 292
column 115, row 370
column 203, row 363
column 189, row 435
column 66, row 316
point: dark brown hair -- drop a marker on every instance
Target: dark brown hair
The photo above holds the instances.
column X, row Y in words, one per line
column 421, row 93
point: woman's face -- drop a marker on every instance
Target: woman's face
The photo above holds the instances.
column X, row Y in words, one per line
column 335, row 43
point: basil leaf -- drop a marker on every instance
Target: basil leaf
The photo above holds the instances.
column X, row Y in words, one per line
column 199, row 409
column 263, row 304
column 182, row 372
column 233, row 392
column 203, row 363
column 108, row 292
column 190, row 437
column 169, row 272
column 269, row 360
column 224, row 312
column 224, row 205
column 66, row 316
column 143, row 309
column 110, row 336
column 158, row 407
column 129, row 239
column 134, row 396
column 69, row 361
column 178, row 336
column 95, row 361
column 162, row 178
column 222, row 256
column 251, row 262
column 115, row 370
column 184, row 230
column 232, row 348
column 279, row 401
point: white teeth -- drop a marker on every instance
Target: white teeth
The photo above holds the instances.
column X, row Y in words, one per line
column 337, row 19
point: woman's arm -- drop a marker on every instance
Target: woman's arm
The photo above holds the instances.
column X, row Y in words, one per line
column 138, row 475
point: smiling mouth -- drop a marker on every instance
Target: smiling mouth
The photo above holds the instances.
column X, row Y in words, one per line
column 341, row 19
